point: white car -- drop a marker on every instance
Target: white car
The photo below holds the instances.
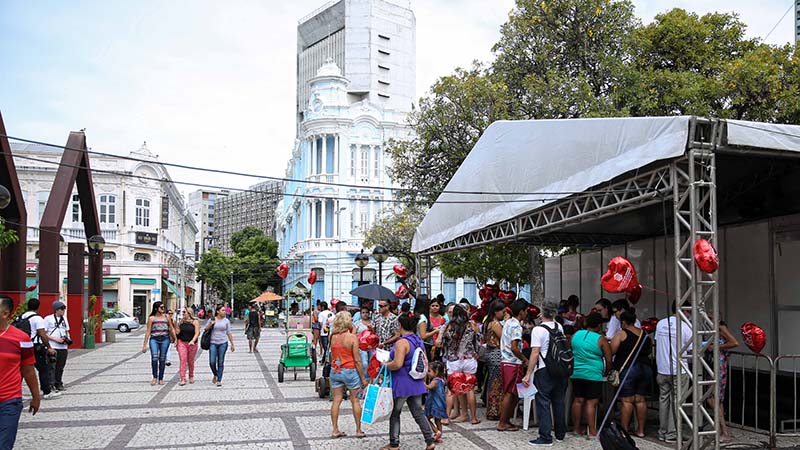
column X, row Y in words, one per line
column 122, row 322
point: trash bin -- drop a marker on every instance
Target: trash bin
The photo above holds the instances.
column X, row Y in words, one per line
column 111, row 336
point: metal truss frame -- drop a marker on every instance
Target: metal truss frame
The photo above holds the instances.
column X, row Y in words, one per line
column 696, row 292
column 634, row 192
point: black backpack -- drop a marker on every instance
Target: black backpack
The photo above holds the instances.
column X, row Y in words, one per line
column 559, row 360
column 24, row 325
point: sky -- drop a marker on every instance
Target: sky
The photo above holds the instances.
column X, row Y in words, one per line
column 212, row 84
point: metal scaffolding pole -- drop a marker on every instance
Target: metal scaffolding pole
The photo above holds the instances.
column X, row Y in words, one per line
column 695, row 217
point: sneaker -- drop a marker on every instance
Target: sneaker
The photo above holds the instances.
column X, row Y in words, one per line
column 51, row 395
column 560, row 439
column 541, row 443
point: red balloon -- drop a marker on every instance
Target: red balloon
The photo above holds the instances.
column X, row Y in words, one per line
column 401, row 292
column 478, row 315
column 312, row 278
column 400, row 270
column 634, row 293
column 374, row 367
column 282, row 270
column 494, row 289
column 705, row 256
column 507, row 296
column 754, row 336
column 620, row 275
column 31, row 288
column 533, row 312
column 368, row 341
column 485, row 293
column 461, row 383
column 649, row 325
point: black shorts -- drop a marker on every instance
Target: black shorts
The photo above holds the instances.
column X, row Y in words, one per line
column 590, row 390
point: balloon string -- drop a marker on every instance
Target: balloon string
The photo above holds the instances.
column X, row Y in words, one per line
column 657, row 291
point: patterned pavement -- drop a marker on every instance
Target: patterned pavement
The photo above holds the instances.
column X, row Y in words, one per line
column 109, row 404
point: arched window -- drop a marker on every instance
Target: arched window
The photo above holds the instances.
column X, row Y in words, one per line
column 141, row 257
column 110, row 256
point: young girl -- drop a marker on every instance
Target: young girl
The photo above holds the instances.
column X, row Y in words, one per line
column 435, row 403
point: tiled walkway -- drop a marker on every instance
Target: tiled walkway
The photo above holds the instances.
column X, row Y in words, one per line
column 110, row 404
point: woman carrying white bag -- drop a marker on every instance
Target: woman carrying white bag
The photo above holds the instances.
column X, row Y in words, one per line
column 406, row 386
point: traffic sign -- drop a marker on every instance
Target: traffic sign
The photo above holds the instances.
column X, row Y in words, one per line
column 157, row 291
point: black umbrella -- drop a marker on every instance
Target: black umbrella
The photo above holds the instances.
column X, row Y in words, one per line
column 373, row 292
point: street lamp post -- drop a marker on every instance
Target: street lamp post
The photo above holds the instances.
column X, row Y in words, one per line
column 380, row 255
column 361, row 261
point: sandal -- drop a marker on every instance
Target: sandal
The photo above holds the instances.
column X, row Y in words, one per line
column 338, row 435
column 182, row 383
column 476, row 421
column 511, row 428
column 388, row 447
column 431, row 446
column 361, row 435
column 153, row 383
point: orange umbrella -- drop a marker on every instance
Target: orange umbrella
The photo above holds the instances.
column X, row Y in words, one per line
column 267, row 297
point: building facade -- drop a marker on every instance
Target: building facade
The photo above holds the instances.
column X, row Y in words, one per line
column 202, row 206
column 356, row 72
column 254, row 207
column 149, row 251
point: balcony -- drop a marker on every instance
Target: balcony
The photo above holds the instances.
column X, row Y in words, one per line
column 324, row 178
column 328, row 244
column 73, row 234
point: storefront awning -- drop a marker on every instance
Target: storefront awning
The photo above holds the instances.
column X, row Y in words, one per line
column 106, row 281
column 143, row 281
column 171, row 287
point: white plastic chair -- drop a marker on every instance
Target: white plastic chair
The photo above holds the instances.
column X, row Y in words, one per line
column 527, row 403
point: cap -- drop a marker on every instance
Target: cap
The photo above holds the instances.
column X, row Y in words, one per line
column 562, row 309
column 58, row 305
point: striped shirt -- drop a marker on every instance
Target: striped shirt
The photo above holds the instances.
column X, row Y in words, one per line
column 16, row 350
column 159, row 328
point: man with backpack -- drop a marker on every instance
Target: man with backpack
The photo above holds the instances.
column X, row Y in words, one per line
column 32, row 323
column 551, row 365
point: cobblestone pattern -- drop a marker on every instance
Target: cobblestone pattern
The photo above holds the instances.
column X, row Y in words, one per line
column 109, row 404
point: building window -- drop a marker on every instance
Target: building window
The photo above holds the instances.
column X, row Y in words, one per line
column 142, row 212
column 365, row 161
column 353, row 160
column 76, row 208
column 41, row 199
column 377, row 161
column 109, row 256
column 141, row 257
column 108, row 209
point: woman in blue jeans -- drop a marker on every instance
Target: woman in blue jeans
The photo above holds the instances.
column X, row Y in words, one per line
column 221, row 335
column 158, row 336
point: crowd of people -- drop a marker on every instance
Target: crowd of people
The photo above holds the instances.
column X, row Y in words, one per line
column 515, row 345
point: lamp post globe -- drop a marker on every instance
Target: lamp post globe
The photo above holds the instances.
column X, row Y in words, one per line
column 96, row 243
column 5, row 197
column 380, row 255
column 361, row 261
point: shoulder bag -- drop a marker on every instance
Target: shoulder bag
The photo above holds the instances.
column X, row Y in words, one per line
column 205, row 339
column 614, row 375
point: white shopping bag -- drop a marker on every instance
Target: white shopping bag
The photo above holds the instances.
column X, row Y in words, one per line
column 378, row 401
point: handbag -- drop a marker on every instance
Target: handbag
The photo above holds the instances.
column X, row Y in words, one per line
column 613, row 376
column 205, row 339
column 614, row 437
column 378, row 399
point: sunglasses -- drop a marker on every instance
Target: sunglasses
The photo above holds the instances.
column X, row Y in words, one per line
column 383, row 306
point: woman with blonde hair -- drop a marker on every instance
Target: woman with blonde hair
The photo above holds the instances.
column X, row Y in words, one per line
column 346, row 370
column 187, row 331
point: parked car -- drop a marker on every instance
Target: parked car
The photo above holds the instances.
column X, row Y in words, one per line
column 122, row 322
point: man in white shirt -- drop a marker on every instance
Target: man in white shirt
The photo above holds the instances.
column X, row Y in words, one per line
column 614, row 325
column 550, row 390
column 57, row 330
column 324, row 317
column 667, row 379
column 41, row 347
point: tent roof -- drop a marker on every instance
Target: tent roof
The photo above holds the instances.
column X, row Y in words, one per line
column 518, row 167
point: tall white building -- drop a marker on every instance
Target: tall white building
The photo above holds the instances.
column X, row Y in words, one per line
column 202, row 206
column 356, row 71
column 149, row 251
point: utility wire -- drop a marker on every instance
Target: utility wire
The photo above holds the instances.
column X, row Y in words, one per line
column 318, row 197
column 290, row 180
column 791, row 5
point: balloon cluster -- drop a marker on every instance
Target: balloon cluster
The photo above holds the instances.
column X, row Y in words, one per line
column 460, row 383
column 621, row 277
column 650, row 324
column 754, row 336
column 368, row 341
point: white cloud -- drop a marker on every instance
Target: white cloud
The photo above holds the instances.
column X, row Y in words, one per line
column 212, row 83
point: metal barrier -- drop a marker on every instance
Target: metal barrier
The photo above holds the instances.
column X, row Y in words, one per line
column 781, row 385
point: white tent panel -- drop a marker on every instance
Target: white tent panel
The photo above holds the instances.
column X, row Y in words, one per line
column 552, row 280
column 535, row 162
column 764, row 135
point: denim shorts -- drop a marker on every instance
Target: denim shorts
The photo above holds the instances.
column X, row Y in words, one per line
column 639, row 381
column 345, row 378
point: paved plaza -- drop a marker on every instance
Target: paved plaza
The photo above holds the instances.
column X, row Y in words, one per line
column 110, row 404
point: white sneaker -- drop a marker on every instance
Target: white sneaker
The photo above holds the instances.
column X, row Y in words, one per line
column 51, row 395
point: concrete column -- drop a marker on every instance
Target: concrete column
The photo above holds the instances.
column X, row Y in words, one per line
column 324, row 219
column 313, row 219
column 336, row 155
column 313, row 158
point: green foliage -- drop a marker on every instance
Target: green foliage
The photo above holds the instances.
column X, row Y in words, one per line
column 509, row 262
column 394, row 229
column 253, row 265
column 94, row 321
column 7, row 237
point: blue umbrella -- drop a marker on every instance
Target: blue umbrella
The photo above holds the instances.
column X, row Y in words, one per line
column 373, row 292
